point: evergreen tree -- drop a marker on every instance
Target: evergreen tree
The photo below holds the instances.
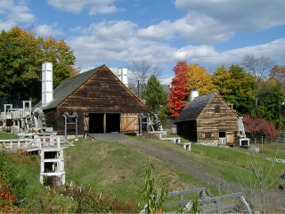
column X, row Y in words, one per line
column 155, row 97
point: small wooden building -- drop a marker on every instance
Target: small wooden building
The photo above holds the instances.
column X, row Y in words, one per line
column 210, row 119
column 97, row 101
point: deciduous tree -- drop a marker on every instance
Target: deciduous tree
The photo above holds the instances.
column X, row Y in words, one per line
column 278, row 73
column 259, row 67
column 270, row 102
column 62, row 57
column 21, row 56
column 179, row 91
column 199, row 79
column 236, row 86
column 141, row 70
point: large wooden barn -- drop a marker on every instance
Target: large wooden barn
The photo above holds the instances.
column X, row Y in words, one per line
column 210, row 119
column 96, row 101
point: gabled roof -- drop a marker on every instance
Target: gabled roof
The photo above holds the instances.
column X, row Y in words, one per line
column 193, row 109
column 69, row 86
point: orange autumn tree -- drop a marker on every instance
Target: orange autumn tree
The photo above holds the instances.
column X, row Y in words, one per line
column 179, row 92
column 199, row 79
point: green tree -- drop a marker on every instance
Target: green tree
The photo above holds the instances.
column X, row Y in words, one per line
column 21, row 56
column 237, row 88
column 155, row 97
column 154, row 94
column 62, row 58
column 270, row 102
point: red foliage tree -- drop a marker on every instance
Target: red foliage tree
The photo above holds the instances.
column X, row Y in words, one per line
column 179, row 92
column 259, row 126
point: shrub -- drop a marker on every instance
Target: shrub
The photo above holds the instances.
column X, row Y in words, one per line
column 259, row 126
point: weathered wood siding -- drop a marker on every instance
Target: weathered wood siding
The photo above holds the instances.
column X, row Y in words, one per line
column 102, row 93
column 217, row 117
column 51, row 118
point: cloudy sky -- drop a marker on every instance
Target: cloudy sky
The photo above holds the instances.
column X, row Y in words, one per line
column 116, row 32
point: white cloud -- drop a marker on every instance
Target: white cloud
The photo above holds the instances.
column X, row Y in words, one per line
column 211, row 22
column 123, row 41
column 14, row 12
column 77, row 6
column 48, row 30
column 246, row 16
column 117, row 41
column 207, row 55
column 192, row 53
column 194, row 27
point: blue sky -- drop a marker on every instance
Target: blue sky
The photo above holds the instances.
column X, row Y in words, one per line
column 116, row 32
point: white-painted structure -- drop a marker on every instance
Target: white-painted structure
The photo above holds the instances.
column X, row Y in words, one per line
column 193, row 95
column 47, row 83
column 123, row 75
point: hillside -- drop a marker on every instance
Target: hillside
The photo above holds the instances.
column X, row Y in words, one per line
column 117, row 167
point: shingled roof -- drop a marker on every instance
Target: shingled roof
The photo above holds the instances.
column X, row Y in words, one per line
column 193, row 109
column 69, row 86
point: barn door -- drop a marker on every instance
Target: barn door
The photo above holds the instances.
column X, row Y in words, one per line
column 222, row 138
column 129, row 123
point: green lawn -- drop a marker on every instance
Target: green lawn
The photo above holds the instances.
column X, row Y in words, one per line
column 4, row 136
column 116, row 168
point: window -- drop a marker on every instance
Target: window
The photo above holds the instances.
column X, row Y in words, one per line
column 217, row 108
column 208, row 134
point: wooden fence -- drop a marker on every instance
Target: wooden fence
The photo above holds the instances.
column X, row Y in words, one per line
column 234, row 202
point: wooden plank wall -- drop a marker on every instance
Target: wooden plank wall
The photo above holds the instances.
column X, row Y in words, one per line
column 209, row 121
column 102, row 93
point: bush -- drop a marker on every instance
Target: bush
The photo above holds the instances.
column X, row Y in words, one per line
column 258, row 127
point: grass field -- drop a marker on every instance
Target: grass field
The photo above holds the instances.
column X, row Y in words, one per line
column 117, row 168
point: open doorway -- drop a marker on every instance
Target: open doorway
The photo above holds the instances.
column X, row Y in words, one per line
column 104, row 122
column 222, row 138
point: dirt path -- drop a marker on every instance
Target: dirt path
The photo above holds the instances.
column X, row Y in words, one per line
column 185, row 162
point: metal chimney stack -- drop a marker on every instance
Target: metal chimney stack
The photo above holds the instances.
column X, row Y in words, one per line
column 194, row 94
column 123, row 75
column 47, row 83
